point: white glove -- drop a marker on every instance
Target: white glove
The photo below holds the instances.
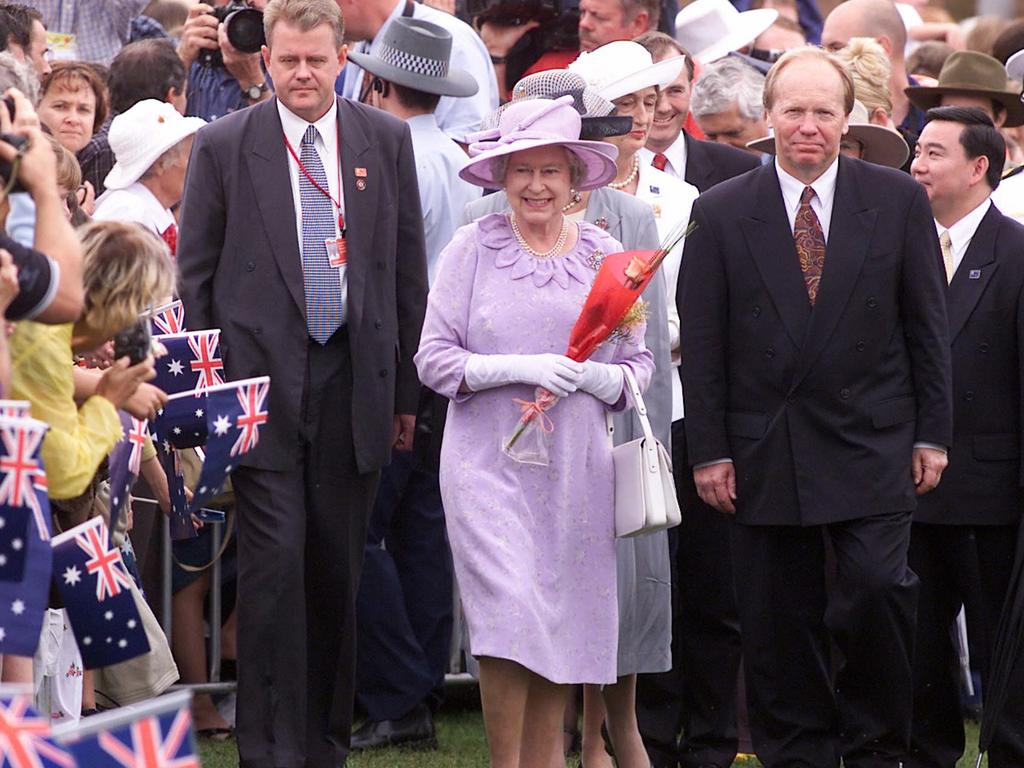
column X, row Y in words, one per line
column 603, row 381
column 558, row 374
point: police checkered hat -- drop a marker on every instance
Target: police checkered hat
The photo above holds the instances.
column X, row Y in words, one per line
column 417, row 54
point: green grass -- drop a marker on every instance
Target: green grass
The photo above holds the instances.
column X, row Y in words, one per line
column 460, row 735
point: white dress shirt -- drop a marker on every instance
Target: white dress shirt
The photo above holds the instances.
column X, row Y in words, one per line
column 961, row 233
column 1009, row 197
column 671, row 200
column 134, row 203
column 675, row 157
column 443, row 195
column 456, row 116
column 326, row 146
column 824, row 195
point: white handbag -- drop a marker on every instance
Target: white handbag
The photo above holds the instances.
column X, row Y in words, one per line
column 645, row 493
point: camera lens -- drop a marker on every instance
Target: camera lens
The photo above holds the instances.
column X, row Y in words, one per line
column 244, row 29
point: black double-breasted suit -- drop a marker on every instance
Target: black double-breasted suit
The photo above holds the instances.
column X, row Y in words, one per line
column 304, row 493
column 964, row 532
column 819, row 408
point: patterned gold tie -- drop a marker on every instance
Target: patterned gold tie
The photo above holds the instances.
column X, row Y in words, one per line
column 947, row 254
column 810, row 244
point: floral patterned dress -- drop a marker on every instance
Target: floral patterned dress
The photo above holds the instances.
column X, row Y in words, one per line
column 533, row 546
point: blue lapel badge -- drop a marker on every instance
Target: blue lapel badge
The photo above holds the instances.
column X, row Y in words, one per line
column 974, row 274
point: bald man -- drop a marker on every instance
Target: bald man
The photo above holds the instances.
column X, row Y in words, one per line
column 878, row 19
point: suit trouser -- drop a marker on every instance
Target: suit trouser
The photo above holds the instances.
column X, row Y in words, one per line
column 698, row 695
column 797, row 717
column 950, row 559
column 301, row 534
column 405, row 596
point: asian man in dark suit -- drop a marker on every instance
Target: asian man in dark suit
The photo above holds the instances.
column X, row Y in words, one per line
column 818, row 388
column 965, row 532
column 276, row 194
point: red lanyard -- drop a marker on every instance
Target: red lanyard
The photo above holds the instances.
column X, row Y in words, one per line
column 326, row 193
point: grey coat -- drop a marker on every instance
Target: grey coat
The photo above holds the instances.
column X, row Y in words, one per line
column 644, row 579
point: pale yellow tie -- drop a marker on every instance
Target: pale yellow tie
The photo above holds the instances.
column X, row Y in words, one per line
column 947, row 254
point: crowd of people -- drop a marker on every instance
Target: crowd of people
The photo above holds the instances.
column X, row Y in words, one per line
column 396, row 209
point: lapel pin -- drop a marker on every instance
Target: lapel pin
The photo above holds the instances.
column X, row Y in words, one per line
column 655, row 190
column 974, row 274
column 657, row 210
column 360, row 184
column 360, row 173
column 601, row 222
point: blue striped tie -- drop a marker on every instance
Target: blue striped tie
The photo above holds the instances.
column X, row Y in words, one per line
column 323, row 284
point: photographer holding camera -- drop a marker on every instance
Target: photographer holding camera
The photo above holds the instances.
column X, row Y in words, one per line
column 223, row 76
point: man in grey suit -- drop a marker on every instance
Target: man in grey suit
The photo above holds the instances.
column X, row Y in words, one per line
column 291, row 220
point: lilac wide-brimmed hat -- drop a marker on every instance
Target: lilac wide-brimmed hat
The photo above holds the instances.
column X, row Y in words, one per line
column 534, row 123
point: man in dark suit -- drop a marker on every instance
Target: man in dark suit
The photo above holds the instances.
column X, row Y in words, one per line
column 818, row 391
column 964, row 533
column 291, row 221
column 698, row 695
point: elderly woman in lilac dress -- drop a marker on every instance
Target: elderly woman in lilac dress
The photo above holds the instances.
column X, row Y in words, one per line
column 533, row 543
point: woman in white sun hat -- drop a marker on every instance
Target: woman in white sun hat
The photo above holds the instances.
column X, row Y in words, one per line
column 625, row 73
column 711, row 29
column 151, row 144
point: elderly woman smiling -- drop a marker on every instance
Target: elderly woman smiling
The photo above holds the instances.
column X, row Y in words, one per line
column 533, row 545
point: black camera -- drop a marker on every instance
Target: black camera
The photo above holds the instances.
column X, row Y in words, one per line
column 134, row 342
column 244, row 28
column 19, row 143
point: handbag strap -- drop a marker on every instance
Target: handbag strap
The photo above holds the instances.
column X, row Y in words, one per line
column 650, row 443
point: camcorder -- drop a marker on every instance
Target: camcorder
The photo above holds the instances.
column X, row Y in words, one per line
column 558, row 30
column 134, row 342
column 244, row 28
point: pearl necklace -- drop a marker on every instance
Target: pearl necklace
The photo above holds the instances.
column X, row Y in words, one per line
column 629, row 179
column 559, row 243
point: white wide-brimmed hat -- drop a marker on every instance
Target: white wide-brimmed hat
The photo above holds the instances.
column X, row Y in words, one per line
column 1015, row 66
column 711, row 29
column 624, row 67
column 882, row 146
column 534, row 123
column 138, row 136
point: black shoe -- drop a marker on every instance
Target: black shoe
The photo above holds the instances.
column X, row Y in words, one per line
column 415, row 731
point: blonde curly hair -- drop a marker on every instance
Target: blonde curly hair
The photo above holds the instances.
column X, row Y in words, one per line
column 870, row 69
column 126, row 269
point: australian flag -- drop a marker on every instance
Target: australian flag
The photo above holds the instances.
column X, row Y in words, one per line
column 155, row 734
column 125, row 461
column 97, row 593
column 25, row 736
column 226, row 419
column 25, row 556
column 181, row 524
column 168, row 319
column 192, row 363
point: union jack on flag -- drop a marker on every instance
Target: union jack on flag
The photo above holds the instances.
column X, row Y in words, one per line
column 19, row 464
column 25, row 737
column 154, row 734
column 97, row 593
column 170, row 318
column 206, row 361
column 125, row 461
column 251, row 397
column 15, row 409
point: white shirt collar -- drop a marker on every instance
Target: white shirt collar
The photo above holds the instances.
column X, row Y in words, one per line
column 675, row 154
column 824, row 187
column 961, row 233
column 295, row 127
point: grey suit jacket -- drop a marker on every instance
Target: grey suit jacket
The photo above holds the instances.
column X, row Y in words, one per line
column 631, row 222
column 241, row 270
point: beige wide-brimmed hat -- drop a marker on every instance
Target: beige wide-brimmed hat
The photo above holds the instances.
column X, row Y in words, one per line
column 882, row 146
column 138, row 136
column 623, row 67
column 711, row 29
column 974, row 74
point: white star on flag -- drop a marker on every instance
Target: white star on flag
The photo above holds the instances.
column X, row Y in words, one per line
column 72, row 575
column 199, row 413
column 175, row 367
column 17, row 544
column 222, row 425
column 17, row 607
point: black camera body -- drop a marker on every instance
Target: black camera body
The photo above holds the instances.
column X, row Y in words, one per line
column 244, row 28
column 19, row 143
column 134, row 342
